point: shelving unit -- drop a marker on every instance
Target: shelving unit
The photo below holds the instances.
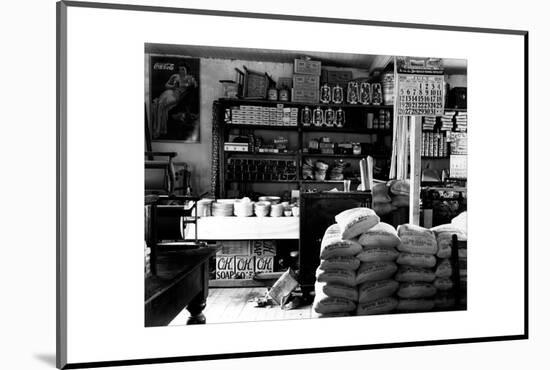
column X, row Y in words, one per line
column 354, row 125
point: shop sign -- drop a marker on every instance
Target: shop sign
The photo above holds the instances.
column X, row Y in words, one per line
column 225, row 267
column 420, row 95
column 244, row 267
column 264, row 264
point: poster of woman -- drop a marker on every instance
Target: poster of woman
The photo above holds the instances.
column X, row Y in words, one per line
column 175, row 99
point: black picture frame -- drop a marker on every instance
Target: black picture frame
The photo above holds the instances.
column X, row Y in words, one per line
column 174, row 98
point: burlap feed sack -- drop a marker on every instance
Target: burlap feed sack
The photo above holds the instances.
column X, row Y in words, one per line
column 380, row 194
column 407, row 274
column 443, row 283
column 325, row 305
column 372, row 271
column 333, row 245
column 416, row 290
column 382, row 235
column 416, row 260
column 336, row 290
column 400, row 187
column 416, row 239
column 444, row 269
column 415, row 305
column 400, row 201
column 354, row 222
column 383, row 209
column 376, row 307
column 373, row 290
column 340, row 263
column 342, row 277
column 377, row 255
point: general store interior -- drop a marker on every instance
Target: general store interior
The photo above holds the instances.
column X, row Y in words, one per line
column 235, row 220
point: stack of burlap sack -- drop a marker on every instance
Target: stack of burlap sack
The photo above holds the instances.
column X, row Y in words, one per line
column 416, row 273
column 444, row 271
column 357, row 266
column 387, row 197
column 381, row 200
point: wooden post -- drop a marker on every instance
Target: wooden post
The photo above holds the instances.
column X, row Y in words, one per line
column 415, row 151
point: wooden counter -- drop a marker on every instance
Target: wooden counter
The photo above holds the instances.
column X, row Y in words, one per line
column 245, row 228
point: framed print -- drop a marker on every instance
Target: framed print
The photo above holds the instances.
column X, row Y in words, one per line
column 291, row 190
column 174, row 98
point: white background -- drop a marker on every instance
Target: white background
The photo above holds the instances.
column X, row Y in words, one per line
column 28, row 64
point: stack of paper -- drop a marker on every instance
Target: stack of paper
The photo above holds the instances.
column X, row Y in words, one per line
column 461, row 119
column 447, row 121
column 429, row 123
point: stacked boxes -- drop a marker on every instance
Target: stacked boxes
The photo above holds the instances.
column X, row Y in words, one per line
column 262, row 115
column 243, row 259
column 305, row 82
column 434, row 144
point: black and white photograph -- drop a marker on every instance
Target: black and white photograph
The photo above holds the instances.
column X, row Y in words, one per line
column 274, row 184
column 326, row 185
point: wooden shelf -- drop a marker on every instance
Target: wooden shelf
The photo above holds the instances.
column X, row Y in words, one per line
column 431, row 157
column 287, row 154
column 352, row 156
column 353, row 181
column 261, row 127
column 263, row 181
column 354, row 130
column 299, row 104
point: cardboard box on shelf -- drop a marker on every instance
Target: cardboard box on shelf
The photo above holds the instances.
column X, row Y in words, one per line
column 244, row 267
column 309, row 67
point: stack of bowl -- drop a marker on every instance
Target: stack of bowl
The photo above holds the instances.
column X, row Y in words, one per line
column 243, row 207
column 223, row 207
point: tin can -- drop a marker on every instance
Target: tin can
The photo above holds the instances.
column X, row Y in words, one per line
column 283, row 95
column 272, row 94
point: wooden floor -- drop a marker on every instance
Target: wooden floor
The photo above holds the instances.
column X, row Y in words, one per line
column 232, row 305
